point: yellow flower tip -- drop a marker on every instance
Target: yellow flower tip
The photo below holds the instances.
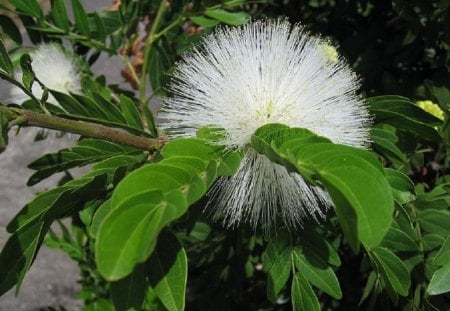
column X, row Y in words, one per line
column 330, row 52
column 431, row 108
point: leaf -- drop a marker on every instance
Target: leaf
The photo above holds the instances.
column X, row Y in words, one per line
column 402, row 187
column 403, row 114
column 10, row 28
column 237, row 18
column 150, row 121
column 4, row 122
column 99, row 304
column 159, row 65
column 100, row 214
column 384, row 143
column 167, row 272
column 87, row 151
column 5, row 61
column 18, row 254
column 130, row 112
column 353, row 177
column 277, row 264
column 314, row 246
column 59, row 14
column 29, row 7
column 96, row 25
column 443, row 256
column 399, row 241
column 393, row 270
column 203, row 21
column 149, row 199
column 302, row 295
column 322, row 277
column 435, row 221
column 28, row 75
column 81, row 18
column 120, row 245
column 129, row 292
column 440, row 281
column 62, row 200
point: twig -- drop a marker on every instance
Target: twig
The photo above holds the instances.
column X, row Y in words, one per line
column 23, row 117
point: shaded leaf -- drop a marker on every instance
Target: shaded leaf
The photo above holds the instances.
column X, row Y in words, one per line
column 440, row 282
column 129, row 292
column 81, row 18
column 167, row 272
column 10, row 28
column 277, row 264
column 230, row 18
column 322, row 277
column 393, row 270
column 302, row 295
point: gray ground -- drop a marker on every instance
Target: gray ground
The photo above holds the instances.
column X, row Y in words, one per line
column 52, row 278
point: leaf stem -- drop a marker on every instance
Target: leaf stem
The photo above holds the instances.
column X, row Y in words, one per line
column 23, row 117
column 148, row 45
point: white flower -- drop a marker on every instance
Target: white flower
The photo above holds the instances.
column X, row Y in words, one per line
column 55, row 69
column 265, row 72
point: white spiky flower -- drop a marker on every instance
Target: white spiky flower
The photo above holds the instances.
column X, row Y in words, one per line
column 265, row 72
column 54, row 68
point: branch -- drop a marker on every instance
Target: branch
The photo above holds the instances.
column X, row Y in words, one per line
column 23, row 117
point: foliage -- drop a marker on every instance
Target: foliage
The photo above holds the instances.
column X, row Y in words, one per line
column 134, row 223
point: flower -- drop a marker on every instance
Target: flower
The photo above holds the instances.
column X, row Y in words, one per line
column 265, row 72
column 431, row 108
column 55, row 69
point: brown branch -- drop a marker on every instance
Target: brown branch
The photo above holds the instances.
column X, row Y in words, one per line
column 23, row 117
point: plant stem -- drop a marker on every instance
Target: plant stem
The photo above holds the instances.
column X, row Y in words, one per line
column 147, row 48
column 23, row 117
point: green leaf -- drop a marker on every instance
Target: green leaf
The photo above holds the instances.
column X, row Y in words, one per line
column 130, row 112
column 398, row 240
column 277, row 264
column 167, row 272
column 129, row 292
column 302, row 295
column 28, row 75
column 315, row 247
column 318, row 274
column 203, row 21
column 63, row 200
column 5, row 61
column 96, row 25
column 10, row 28
column 443, row 256
column 150, row 198
column 100, row 214
column 29, row 7
column 403, row 114
column 4, row 122
column 393, row 270
column 59, row 14
column 402, row 187
column 99, row 304
column 159, row 64
column 150, row 121
column 120, row 245
column 81, row 18
column 18, row 254
column 87, row 151
column 435, row 221
column 230, row 18
column 384, row 143
column 440, row 282
column 353, row 177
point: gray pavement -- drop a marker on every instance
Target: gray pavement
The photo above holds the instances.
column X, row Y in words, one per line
column 52, row 280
